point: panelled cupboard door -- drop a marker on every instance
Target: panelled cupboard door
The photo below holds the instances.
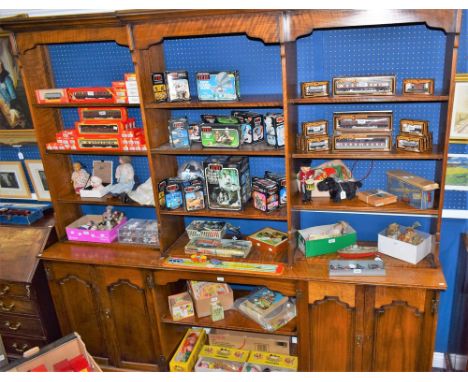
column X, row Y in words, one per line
column 333, row 326
column 399, row 335
column 129, row 314
column 76, row 300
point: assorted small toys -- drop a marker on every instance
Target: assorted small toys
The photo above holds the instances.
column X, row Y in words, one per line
column 186, row 354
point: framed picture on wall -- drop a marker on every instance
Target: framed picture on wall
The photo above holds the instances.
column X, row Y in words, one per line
column 38, row 179
column 459, row 125
column 13, row 183
column 15, row 118
column 456, row 177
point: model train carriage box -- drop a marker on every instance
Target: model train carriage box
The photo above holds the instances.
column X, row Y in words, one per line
column 91, row 95
column 320, row 240
column 100, row 113
column 103, row 170
column 412, row 189
column 218, row 86
column 228, row 184
column 269, row 240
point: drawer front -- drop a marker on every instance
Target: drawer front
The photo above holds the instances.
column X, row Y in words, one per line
column 8, row 289
column 18, row 345
column 10, row 305
column 19, row 325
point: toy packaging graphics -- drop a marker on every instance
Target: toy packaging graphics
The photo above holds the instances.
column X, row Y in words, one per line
column 173, row 194
column 218, row 86
column 207, row 229
column 103, row 113
column 203, row 291
column 179, row 133
column 159, row 87
column 228, row 185
column 220, row 136
column 274, row 129
column 281, row 182
column 48, row 96
column 263, row 362
column 195, row 132
column 265, row 194
column 310, row 129
column 254, row 131
column 218, row 247
column 186, row 354
column 194, row 196
column 181, row 306
column 177, row 86
column 221, row 359
column 270, row 240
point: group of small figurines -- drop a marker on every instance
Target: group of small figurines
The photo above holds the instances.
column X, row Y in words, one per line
column 125, row 176
column 110, row 219
column 408, row 235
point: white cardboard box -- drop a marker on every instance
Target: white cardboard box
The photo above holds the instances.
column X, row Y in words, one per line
column 405, row 251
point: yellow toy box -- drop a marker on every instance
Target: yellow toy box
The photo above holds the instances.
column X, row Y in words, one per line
column 187, row 352
column 263, row 361
column 218, row 358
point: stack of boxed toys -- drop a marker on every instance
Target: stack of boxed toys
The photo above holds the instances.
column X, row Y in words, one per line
column 414, row 136
column 230, row 351
column 105, row 128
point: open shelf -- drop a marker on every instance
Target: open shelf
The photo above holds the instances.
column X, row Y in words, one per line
column 84, row 104
column 369, row 99
column 98, row 152
column 248, row 213
column 260, row 149
column 115, row 245
column 356, row 205
column 251, row 101
column 233, row 320
column 393, row 154
column 107, row 200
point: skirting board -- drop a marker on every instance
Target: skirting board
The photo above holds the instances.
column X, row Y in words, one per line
column 458, row 361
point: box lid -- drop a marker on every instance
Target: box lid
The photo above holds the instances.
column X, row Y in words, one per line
column 272, row 359
column 417, row 181
column 103, row 169
column 220, row 352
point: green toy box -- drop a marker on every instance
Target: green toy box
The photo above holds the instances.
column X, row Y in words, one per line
column 324, row 245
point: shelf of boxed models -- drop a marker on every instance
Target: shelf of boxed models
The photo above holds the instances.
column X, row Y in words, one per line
column 98, row 152
column 356, row 205
column 392, row 154
column 255, row 255
column 369, row 99
column 259, row 149
column 84, row 104
column 107, row 200
column 249, row 212
column 233, row 320
column 252, row 101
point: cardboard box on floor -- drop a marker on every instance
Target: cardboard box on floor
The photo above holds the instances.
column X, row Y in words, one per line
column 67, row 347
column 250, row 341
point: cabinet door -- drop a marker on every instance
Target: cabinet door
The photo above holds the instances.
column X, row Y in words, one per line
column 129, row 312
column 332, row 327
column 76, row 301
column 404, row 325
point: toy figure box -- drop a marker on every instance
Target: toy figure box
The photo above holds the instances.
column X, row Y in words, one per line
column 104, row 170
column 227, row 180
column 206, row 229
column 203, row 291
column 194, row 194
column 220, row 136
column 221, row 359
column 218, row 86
column 250, row 341
column 254, row 132
column 405, row 251
column 66, row 354
column 179, row 133
column 177, row 86
column 274, row 130
column 21, row 213
column 181, row 306
column 186, row 354
column 75, row 233
column 269, row 240
column 263, row 361
column 265, row 194
column 412, row 189
column 316, row 241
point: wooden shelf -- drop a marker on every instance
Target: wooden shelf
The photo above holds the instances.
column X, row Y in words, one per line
column 233, row 320
column 356, row 205
column 393, row 155
column 369, row 99
column 88, row 104
column 260, row 149
column 115, row 245
column 248, row 213
column 98, row 152
column 253, row 101
column 107, row 200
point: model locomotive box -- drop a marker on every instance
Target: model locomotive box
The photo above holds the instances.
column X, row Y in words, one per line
column 103, row 113
column 179, row 133
column 362, row 142
column 363, row 122
column 414, row 143
column 51, row 96
column 220, row 136
column 314, row 89
column 90, row 95
column 254, row 129
column 186, row 355
column 269, row 240
column 159, row 87
column 218, row 86
column 414, row 127
column 412, row 189
column 103, row 127
column 418, row 86
column 177, row 86
column 274, row 129
column 317, row 143
column 227, row 180
column 314, row 128
column 369, row 85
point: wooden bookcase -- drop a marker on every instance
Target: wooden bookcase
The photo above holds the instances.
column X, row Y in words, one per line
column 342, row 324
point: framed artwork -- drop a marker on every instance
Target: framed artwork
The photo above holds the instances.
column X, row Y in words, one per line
column 459, row 125
column 38, row 179
column 13, row 183
column 15, row 118
column 456, row 177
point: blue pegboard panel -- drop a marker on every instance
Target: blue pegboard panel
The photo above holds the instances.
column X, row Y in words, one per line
column 366, row 226
column 462, row 62
column 457, row 148
column 259, row 65
column 456, row 200
column 130, row 212
column 421, row 111
column 405, row 51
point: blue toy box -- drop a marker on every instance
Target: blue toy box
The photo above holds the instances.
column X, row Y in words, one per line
column 22, row 213
column 218, row 86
